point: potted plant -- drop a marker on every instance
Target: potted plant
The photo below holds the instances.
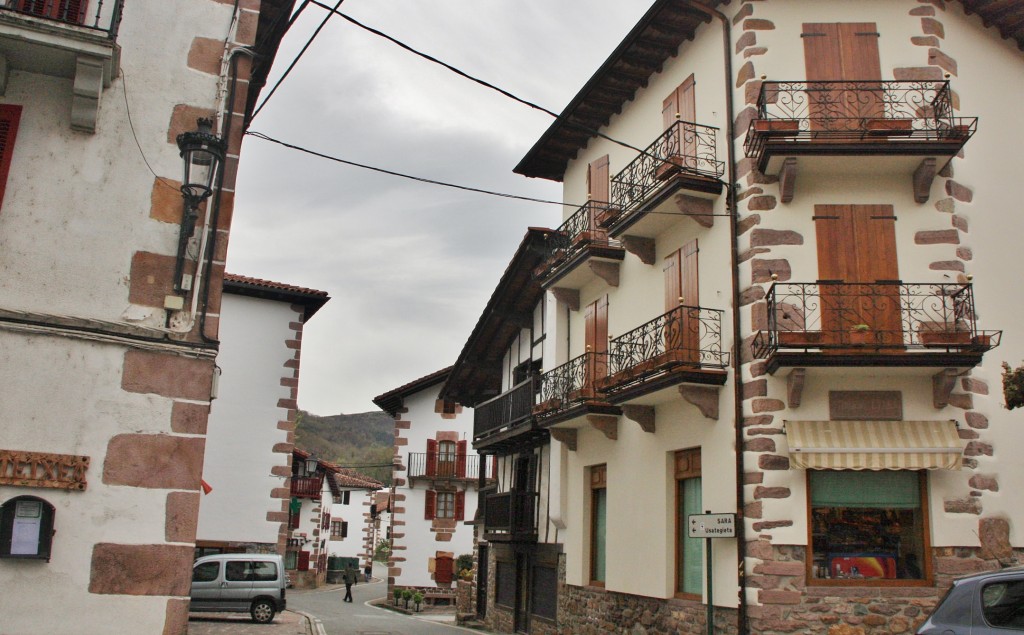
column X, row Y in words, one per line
column 417, row 599
column 944, row 334
column 406, row 596
column 860, row 334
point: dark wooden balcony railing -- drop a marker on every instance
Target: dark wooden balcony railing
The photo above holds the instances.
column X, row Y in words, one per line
column 580, row 231
column 572, row 383
column 838, row 112
column 882, row 317
column 511, row 516
column 307, row 486
column 685, row 336
column 102, row 16
column 507, row 409
column 447, row 466
column 685, row 148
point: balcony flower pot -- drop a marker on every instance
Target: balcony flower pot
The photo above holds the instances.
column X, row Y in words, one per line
column 890, row 127
column 777, row 127
column 945, row 338
column 799, row 339
column 861, row 335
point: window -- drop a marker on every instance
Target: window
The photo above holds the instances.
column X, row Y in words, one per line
column 446, row 451
column 445, row 505
column 505, row 581
column 291, row 559
column 598, row 522
column 206, row 572
column 544, row 592
column 689, row 565
column 263, row 571
column 346, row 497
column 339, row 529
column 26, row 528
column 868, row 526
column 1002, row 604
column 450, row 505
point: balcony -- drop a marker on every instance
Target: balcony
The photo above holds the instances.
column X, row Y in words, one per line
column 682, row 346
column 682, row 160
column 580, row 241
column 850, row 127
column 882, row 324
column 511, row 516
column 568, row 391
column 441, row 467
column 72, row 39
column 307, row 487
column 507, row 419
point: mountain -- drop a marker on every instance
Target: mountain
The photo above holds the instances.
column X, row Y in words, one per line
column 355, row 440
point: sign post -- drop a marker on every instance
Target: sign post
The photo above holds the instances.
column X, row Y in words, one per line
column 710, row 526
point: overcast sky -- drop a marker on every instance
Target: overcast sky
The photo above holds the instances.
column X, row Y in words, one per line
column 409, row 266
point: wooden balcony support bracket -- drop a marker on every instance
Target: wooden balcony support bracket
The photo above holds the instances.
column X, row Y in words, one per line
column 642, row 248
column 923, row 177
column 607, row 271
column 704, row 397
column 795, row 386
column 942, row 386
column 787, row 179
column 565, row 436
column 568, row 297
column 607, row 424
column 644, row 415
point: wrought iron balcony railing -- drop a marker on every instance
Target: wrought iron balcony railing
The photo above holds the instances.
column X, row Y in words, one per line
column 572, row 383
column 685, row 336
column 307, row 486
column 880, row 317
column 853, row 111
column 685, row 148
column 104, row 17
column 579, row 231
column 511, row 515
column 507, row 409
column 447, row 466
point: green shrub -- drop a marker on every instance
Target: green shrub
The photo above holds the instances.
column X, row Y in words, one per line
column 1013, row 386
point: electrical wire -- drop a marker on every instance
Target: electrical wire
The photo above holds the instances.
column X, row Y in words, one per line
column 131, row 126
column 295, row 61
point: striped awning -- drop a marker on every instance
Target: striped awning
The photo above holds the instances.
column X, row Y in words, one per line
column 874, row 445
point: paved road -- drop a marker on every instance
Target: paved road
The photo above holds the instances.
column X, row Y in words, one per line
column 359, row 618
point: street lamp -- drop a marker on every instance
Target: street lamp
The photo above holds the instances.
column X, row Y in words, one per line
column 311, row 463
column 203, row 154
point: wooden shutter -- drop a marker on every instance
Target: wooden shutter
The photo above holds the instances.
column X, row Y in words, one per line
column 303, row 561
column 599, row 194
column 460, row 459
column 596, row 334
column 843, row 51
column 430, row 507
column 673, row 281
column 460, row 505
column 443, row 573
column 431, row 467
column 681, row 106
column 682, row 328
column 10, row 117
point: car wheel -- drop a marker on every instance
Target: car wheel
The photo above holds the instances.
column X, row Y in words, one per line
column 262, row 611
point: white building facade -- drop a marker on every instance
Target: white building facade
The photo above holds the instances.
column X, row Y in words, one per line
column 249, row 438
column 108, row 338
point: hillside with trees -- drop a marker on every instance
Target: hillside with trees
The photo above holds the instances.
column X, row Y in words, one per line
column 354, row 440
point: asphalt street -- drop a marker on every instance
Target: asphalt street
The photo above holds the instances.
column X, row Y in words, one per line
column 360, row 618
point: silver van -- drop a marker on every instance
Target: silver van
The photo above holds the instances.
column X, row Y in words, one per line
column 251, row 583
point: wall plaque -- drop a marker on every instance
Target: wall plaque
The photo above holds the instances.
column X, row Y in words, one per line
column 43, row 469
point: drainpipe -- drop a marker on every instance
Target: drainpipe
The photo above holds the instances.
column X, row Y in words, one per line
column 730, row 203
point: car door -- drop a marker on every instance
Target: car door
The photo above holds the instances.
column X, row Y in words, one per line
column 236, row 588
column 205, row 592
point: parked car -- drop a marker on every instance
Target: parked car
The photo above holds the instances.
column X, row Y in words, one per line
column 982, row 604
column 239, row 583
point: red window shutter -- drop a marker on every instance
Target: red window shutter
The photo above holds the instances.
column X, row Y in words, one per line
column 460, row 457
column 303, row 561
column 460, row 505
column 10, row 116
column 431, row 505
column 431, row 457
column 443, row 569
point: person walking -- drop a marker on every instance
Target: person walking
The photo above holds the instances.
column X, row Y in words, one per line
column 350, row 577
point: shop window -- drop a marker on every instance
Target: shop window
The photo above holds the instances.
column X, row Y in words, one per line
column 689, row 556
column 868, row 526
column 26, row 528
column 598, row 523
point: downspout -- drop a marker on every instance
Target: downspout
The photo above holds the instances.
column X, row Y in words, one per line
column 730, row 204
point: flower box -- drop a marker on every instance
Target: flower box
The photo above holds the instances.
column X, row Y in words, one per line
column 890, row 127
column 800, row 339
column 778, row 127
column 941, row 339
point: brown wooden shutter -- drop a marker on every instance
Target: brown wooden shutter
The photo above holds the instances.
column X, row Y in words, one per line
column 10, row 117
column 681, row 106
column 597, row 179
column 431, row 457
column 673, row 280
column 303, row 561
column 460, row 505
column 460, row 458
column 691, row 296
column 443, row 569
column 843, row 51
column 596, row 334
column 430, row 506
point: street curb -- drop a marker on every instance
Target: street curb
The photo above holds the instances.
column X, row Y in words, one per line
column 316, row 627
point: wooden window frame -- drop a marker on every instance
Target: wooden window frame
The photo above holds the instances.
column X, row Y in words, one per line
column 444, row 506
column 598, row 482
column 927, row 577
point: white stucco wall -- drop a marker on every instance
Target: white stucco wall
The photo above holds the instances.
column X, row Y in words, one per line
column 352, row 546
column 242, row 429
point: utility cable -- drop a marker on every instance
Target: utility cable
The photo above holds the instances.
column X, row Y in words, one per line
column 131, row 125
column 295, row 61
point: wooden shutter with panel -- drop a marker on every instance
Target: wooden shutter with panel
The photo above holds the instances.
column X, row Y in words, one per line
column 846, row 51
column 443, row 569
column 430, row 505
column 596, row 323
column 598, row 197
column 460, row 459
column 460, row 505
column 303, row 561
column 431, row 463
column 681, row 106
column 682, row 328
